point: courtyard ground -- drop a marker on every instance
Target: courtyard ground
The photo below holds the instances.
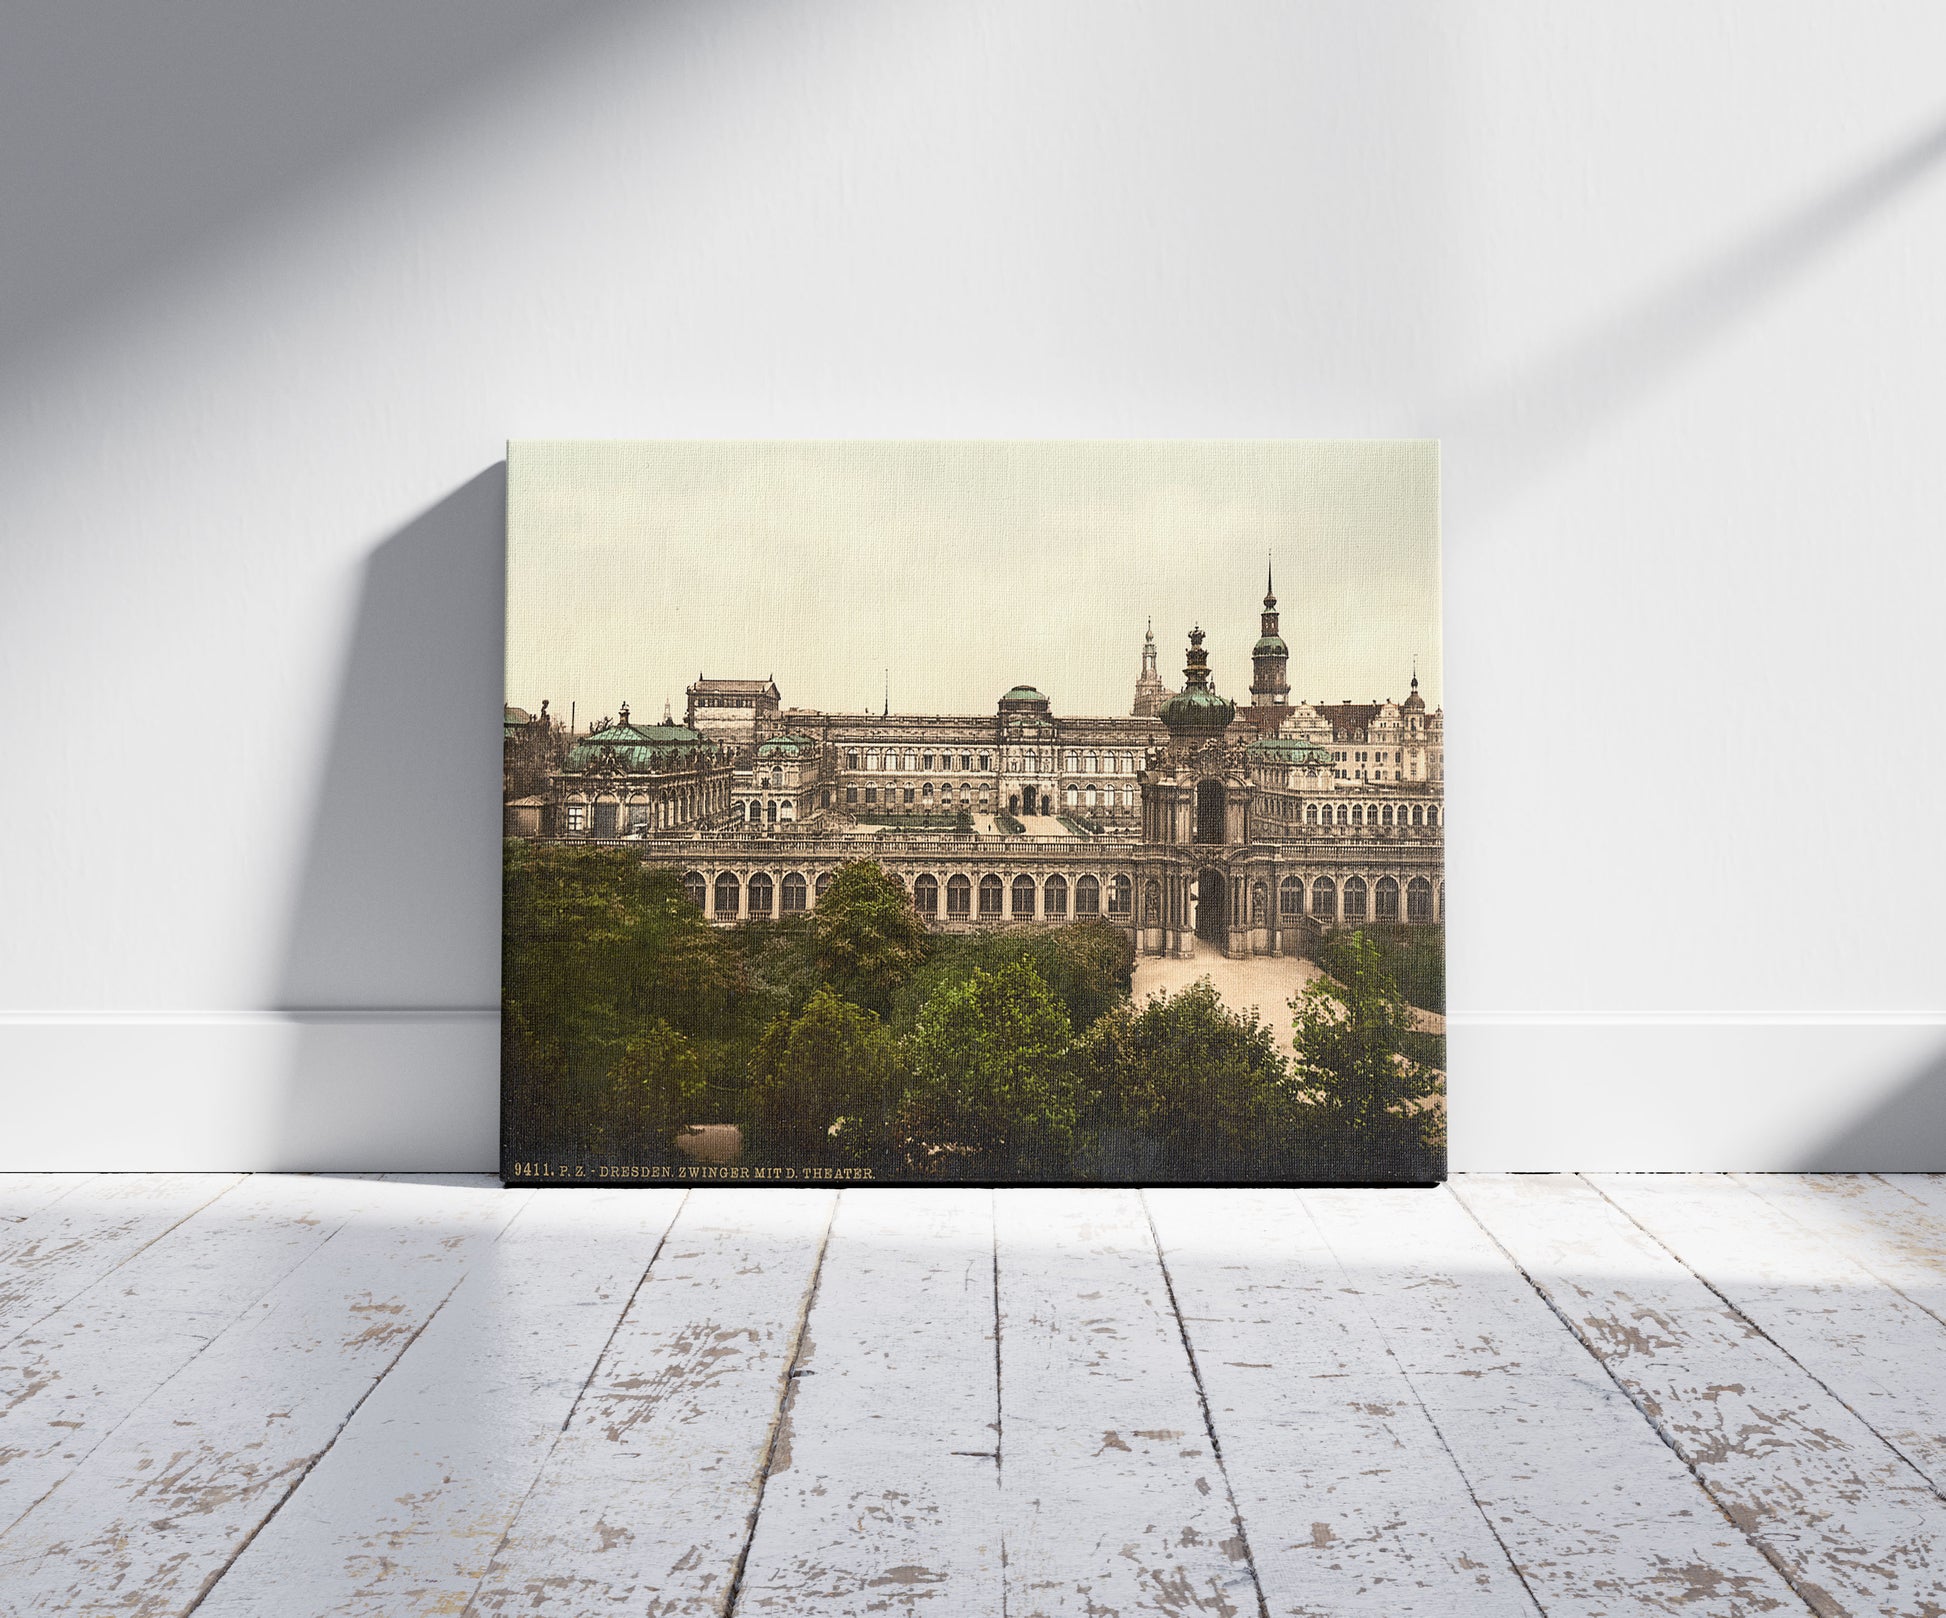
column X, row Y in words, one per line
column 1266, row 983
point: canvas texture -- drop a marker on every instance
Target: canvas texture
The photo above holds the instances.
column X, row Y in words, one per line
column 888, row 812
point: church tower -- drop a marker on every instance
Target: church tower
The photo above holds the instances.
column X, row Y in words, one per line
column 1270, row 686
column 1150, row 692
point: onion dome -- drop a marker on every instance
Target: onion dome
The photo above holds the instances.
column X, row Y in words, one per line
column 1414, row 703
column 1196, row 710
column 1270, row 646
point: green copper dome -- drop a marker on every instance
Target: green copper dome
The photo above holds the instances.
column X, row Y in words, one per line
column 1023, row 693
column 1196, row 710
column 636, row 749
column 1270, row 646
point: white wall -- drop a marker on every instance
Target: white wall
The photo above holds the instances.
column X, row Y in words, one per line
column 279, row 282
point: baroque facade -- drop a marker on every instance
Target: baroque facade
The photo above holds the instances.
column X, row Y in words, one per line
column 1252, row 828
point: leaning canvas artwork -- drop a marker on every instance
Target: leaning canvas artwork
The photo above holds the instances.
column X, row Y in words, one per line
column 982, row 812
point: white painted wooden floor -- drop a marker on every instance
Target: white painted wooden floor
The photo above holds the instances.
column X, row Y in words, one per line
column 1565, row 1395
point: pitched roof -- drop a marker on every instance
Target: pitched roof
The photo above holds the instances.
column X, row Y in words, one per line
column 1348, row 716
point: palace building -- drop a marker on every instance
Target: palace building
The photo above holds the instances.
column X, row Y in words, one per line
column 1253, row 828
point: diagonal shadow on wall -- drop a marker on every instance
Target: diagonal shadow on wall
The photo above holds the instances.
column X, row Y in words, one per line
column 1905, row 1133
column 392, row 960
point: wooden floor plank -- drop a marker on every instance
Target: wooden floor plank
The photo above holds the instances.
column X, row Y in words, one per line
column 403, row 1514
column 1853, row 1525
column 645, row 1504
column 1113, row 1499
column 73, row 1377
column 1894, row 1224
column 1350, row 1500
column 1598, row 1515
column 152, row 1516
column 23, row 1194
column 884, row 1493
column 62, row 1248
column 1872, row 1347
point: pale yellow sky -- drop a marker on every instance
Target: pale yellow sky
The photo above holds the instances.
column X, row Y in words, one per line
column 963, row 568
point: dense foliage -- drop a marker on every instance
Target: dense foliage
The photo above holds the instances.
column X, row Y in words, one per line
column 853, row 1036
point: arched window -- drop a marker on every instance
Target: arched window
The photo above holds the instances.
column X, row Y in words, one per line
column 608, row 816
column 1074, row 764
column 770, row 811
column 959, row 896
column 1418, row 815
column 1385, row 900
column 1054, row 897
column 925, row 895
column 1324, row 898
column 1344, row 815
column 823, row 882
column 851, row 758
column 1418, row 900
column 1074, row 797
column 925, row 792
column 1290, row 896
column 990, row 890
column 1119, row 890
column 1354, row 899
column 1310, row 814
column 726, row 895
column 1432, row 814
column 1385, row 815
column 793, row 894
column 1087, row 798
column 1023, row 896
column 1087, row 896
column 761, row 892
column 695, row 888
column 1091, row 765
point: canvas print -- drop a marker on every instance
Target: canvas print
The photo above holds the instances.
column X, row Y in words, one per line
column 973, row 812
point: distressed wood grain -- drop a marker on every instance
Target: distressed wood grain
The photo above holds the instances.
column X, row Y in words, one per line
column 1875, row 1350
column 1113, row 1498
column 1853, row 1525
column 405, row 1511
column 60, row 1249
column 1598, row 1515
column 23, row 1194
column 1894, row 1224
column 73, row 1377
column 1350, row 1499
column 155, row 1513
column 646, row 1503
column 883, row 1494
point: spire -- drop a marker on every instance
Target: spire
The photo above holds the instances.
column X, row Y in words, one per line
column 888, row 695
column 1270, row 590
column 665, row 712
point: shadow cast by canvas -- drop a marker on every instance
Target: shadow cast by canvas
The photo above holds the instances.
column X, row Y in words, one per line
column 394, row 934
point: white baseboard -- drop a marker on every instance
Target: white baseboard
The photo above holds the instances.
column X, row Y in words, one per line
column 419, row 1090
column 1684, row 1092
column 251, row 1090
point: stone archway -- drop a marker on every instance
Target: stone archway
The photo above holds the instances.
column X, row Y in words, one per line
column 1213, row 906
